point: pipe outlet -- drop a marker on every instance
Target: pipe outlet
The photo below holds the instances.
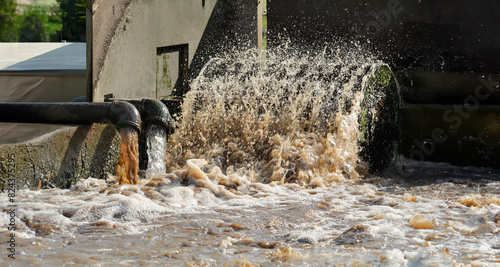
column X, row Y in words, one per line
column 154, row 111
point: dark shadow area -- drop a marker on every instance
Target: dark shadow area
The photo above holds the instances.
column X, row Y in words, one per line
column 459, row 36
column 70, row 162
column 181, row 86
column 439, row 133
column 231, row 27
column 143, row 149
column 433, row 179
column 102, row 154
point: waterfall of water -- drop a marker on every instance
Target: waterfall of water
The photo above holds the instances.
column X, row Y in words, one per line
column 128, row 162
column 156, row 140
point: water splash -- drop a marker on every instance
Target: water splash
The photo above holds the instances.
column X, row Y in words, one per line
column 294, row 119
column 223, row 218
column 128, row 162
column 156, row 139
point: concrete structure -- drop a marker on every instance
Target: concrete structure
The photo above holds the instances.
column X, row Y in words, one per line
column 458, row 36
column 61, row 157
column 461, row 135
column 39, row 72
column 146, row 48
column 444, row 55
column 127, row 41
column 137, row 49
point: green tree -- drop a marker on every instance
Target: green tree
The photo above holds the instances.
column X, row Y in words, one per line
column 74, row 20
column 40, row 24
column 8, row 21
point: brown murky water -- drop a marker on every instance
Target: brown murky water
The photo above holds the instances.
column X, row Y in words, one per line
column 293, row 120
column 127, row 167
column 263, row 171
column 171, row 220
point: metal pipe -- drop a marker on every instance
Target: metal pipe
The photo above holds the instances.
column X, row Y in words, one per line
column 152, row 111
column 119, row 113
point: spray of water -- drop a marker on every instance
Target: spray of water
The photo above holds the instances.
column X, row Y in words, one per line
column 156, row 142
column 292, row 119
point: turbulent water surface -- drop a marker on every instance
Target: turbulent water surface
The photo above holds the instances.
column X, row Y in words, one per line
column 450, row 219
column 263, row 169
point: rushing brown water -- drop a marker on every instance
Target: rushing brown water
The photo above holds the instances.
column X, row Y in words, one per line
column 294, row 119
column 263, row 171
column 127, row 167
column 442, row 216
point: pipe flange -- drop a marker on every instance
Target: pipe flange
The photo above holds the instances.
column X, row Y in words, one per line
column 154, row 111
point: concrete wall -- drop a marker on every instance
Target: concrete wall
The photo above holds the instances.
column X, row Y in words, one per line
column 446, row 43
column 125, row 39
column 61, row 158
column 128, row 37
column 42, row 72
column 232, row 27
column 460, row 135
column 40, row 87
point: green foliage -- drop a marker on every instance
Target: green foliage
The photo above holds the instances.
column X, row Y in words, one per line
column 8, row 21
column 384, row 76
column 378, row 119
column 74, row 20
column 377, row 87
column 40, row 24
column 43, row 23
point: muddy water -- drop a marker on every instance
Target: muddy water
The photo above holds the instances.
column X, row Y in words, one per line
column 292, row 119
column 451, row 220
column 127, row 167
column 263, row 170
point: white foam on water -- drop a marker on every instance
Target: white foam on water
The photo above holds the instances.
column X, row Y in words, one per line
column 366, row 222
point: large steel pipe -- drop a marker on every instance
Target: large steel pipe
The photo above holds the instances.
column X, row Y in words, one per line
column 120, row 113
